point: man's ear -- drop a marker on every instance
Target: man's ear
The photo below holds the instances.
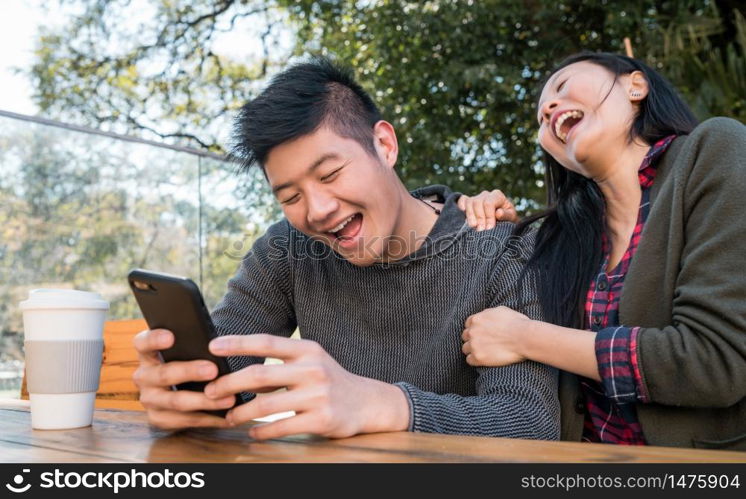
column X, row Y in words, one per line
column 384, row 139
column 637, row 87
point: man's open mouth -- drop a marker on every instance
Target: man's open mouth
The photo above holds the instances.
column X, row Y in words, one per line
column 347, row 229
column 565, row 122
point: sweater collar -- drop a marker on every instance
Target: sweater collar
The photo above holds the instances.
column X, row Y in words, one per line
column 447, row 229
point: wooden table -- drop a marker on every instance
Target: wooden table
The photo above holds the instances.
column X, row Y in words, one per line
column 125, row 436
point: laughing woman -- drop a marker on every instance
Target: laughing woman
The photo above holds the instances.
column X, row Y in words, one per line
column 642, row 258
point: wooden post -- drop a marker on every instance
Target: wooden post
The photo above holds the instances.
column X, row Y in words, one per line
column 628, row 47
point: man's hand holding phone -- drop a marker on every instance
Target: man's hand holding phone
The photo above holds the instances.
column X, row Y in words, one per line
column 327, row 399
column 174, row 409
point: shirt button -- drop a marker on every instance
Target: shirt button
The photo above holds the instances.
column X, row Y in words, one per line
column 602, row 285
column 579, row 406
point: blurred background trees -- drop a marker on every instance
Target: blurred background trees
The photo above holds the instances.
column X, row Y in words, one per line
column 79, row 210
column 457, row 78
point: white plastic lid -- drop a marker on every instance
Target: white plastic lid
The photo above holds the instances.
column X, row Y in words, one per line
column 64, row 298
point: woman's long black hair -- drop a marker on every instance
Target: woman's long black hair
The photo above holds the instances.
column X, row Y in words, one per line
column 568, row 249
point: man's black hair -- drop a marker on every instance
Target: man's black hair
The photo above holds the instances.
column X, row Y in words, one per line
column 297, row 102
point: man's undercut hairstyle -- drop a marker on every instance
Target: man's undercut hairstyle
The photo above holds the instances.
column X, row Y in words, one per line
column 297, row 102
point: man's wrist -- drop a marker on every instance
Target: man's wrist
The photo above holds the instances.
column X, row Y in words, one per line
column 388, row 409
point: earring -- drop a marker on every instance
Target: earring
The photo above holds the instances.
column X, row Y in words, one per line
column 636, row 94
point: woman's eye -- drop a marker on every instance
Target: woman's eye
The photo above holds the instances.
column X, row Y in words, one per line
column 559, row 87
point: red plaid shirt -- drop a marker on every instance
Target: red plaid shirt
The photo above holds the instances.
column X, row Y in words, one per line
column 610, row 414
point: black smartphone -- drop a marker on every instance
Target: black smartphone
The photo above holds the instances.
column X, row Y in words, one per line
column 175, row 303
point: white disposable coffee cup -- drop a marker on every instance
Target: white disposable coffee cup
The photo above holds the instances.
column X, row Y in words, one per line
column 63, row 340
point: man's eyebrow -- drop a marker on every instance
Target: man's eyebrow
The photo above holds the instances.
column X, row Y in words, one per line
column 318, row 162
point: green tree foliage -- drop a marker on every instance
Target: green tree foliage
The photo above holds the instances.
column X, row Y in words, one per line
column 711, row 74
column 149, row 65
column 460, row 79
column 457, row 78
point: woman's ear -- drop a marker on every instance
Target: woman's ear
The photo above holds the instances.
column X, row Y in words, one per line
column 384, row 139
column 637, row 86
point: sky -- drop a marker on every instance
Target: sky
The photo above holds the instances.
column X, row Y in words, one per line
column 18, row 24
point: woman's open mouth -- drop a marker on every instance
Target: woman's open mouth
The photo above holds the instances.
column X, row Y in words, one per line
column 564, row 122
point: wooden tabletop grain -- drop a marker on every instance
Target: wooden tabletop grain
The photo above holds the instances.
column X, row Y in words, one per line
column 125, row 436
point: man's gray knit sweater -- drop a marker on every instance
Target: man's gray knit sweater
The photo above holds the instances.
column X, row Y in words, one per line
column 401, row 322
